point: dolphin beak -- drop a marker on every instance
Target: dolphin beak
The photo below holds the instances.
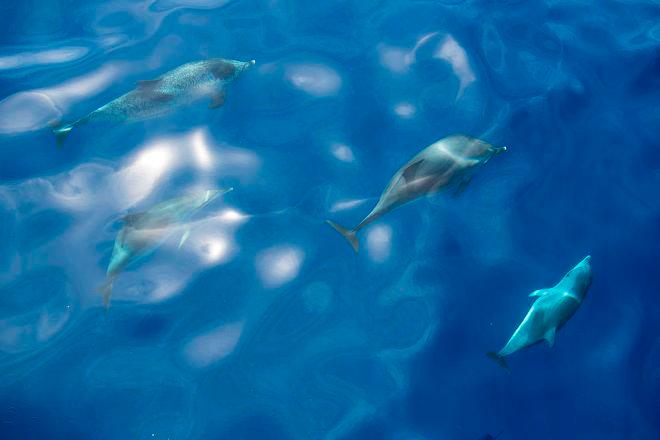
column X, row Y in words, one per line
column 586, row 260
column 248, row 64
column 501, row 150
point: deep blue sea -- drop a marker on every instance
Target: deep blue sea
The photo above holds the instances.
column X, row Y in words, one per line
column 265, row 324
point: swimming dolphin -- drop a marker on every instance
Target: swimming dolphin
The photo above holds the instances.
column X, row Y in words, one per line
column 143, row 232
column 450, row 162
column 151, row 98
column 551, row 310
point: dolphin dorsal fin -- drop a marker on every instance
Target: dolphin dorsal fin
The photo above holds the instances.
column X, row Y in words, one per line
column 538, row 293
column 550, row 336
column 148, row 84
column 132, row 219
column 410, row 172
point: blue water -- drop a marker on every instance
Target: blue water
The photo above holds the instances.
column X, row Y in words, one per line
column 265, row 324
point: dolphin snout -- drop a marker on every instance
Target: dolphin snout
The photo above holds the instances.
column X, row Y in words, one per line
column 586, row 260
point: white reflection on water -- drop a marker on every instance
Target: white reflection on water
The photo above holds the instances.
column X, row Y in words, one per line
column 49, row 56
column 314, row 79
column 399, row 60
column 279, row 265
column 34, row 109
column 342, row 152
column 231, row 216
column 454, row 54
column 213, row 345
column 346, row 204
column 379, row 242
column 197, row 4
column 93, row 197
column 145, row 170
column 405, row 110
column 393, row 58
column 201, row 149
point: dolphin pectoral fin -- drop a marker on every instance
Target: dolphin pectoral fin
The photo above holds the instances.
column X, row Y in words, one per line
column 217, row 99
column 550, row 336
column 538, row 293
column 60, row 131
column 184, row 237
column 499, row 359
column 460, row 189
column 148, row 84
column 348, row 235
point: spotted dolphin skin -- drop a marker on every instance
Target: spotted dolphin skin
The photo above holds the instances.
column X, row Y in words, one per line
column 551, row 310
column 450, row 162
column 143, row 232
column 179, row 87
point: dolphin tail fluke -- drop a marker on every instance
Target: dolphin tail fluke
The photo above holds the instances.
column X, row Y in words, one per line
column 106, row 290
column 499, row 359
column 349, row 235
column 60, row 131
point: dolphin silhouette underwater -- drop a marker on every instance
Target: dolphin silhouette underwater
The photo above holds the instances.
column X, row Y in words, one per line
column 449, row 162
column 143, row 232
column 179, row 87
column 552, row 308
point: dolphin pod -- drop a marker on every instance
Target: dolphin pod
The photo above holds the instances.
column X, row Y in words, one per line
column 144, row 231
column 449, row 162
column 551, row 310
column 179, row 87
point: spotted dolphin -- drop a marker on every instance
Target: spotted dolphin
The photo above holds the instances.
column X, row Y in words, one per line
column 449, row 162
column 179, row 87
column 143, row 232
column 552, row 308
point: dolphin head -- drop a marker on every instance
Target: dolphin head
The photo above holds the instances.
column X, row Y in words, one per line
column 473, row 148
column 207, row 196
column 245, row 65
column 578, row 279
column 227, row 70
column 498, row 150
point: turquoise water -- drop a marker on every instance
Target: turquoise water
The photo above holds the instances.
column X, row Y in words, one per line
column 264, row 324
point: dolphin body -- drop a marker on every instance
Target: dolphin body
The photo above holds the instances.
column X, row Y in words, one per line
column 551, row 310
column 449, row 162
column 143, row 232
column 151, row 98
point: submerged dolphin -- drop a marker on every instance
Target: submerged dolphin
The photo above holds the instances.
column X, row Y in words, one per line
column 551, row 310
column 143, row 232
column 181, row 86
column 447, row 163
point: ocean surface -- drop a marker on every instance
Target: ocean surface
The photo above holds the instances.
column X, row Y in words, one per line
column 265, row 324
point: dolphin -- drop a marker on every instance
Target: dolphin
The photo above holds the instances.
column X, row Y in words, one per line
column 143, row 232
column 552, row 308
column 449, row 162
column 179, row 87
